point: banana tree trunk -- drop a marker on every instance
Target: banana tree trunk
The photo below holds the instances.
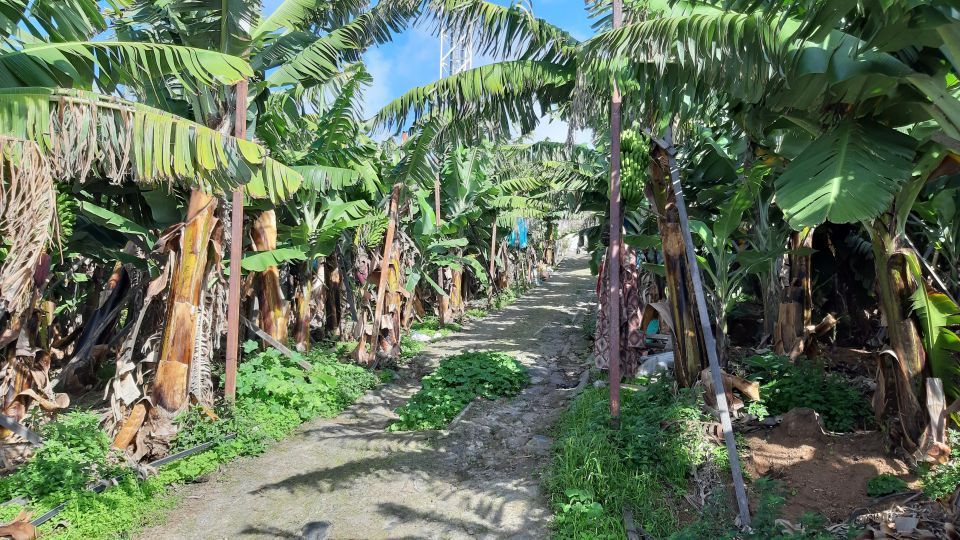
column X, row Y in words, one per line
column 302, row 302
column 273, row 319
column 795, row 311
column 689, row 349
column 189, row 275
column 332, row 304
column 549, row 257
column 456, row 294
column 900, row 392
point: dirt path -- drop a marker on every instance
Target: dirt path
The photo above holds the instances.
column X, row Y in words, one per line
column 347, row 478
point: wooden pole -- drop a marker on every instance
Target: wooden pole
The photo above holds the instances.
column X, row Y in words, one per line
column 385, row 264
column 711, row 344
column 613, row 260
column 236, row 248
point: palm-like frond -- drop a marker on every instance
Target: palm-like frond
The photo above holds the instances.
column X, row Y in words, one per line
column 294, row 15
column 82, row 133
column 511, row 92
column 54, row 20
column 219, row 25
column 108, row 64
column 849, row 174
column 306, row 60
column 502, row 31
column 735, row 52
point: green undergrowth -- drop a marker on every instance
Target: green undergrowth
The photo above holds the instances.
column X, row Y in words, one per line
column 597, row 470
column 274, row 396
column 431, row 325
column 457, row 381
column 477, row 313
column 769, row 496
column 885, row 484
column 506, row 297
column 785, row 385
column 942, row 480
column 645, row 465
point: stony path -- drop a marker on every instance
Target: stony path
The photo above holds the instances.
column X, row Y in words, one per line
column 347, row 478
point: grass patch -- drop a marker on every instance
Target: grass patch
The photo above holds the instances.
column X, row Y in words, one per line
column 598, row 470
column 477, row 313
column 431, row 325
column 274, row 396
column 645, row 465
column 885, row 484
column 784, row 386
column 506, row 297
column 455, row 383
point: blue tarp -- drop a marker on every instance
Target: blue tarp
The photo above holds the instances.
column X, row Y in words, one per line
column 518, row 236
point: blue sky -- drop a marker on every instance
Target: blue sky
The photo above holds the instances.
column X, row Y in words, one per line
column 412, row 58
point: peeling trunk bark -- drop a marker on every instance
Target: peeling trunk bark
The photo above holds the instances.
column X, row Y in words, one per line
column 273, row 317
column 690, row 348
column 902, row 382
column 176, row 353
column 795, row 311
column 332, row 307
column 549, row 257
column 303, row 308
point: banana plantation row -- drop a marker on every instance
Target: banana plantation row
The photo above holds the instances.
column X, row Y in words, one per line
column 817, row 143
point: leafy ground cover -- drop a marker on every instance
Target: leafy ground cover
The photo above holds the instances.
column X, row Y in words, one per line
column 457, row 381
column 431, row 325
column 645, row 465
column 785, row 385
column 599, row 470
column 274, row 396
column 941, row 481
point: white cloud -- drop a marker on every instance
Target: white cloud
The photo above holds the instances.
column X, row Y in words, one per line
column 556, row 131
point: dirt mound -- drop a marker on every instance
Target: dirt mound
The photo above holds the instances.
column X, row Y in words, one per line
column 822, row 473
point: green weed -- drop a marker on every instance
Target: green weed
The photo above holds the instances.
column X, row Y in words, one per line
column 784, row 386
column 941, row 481
column 455, row 383
column 431, row 325
column 597, row 470
column 885, row 484
column 75, row 452
column 477, row 313
column 274, row 396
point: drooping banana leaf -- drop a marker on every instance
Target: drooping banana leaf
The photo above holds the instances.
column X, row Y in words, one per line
column 849, row 174
column 83, row 133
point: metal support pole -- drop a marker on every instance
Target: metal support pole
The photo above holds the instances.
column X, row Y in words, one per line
column 613, row 261
column 493, row 259
column 444, row 302
column 710, row 341
column 236, row 249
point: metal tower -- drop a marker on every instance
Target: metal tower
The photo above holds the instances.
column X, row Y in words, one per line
column 456, row 44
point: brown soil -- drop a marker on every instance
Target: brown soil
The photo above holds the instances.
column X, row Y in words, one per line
column 824, row 474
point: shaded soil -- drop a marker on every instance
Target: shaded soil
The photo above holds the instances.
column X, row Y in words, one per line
column 347, row 478
column 822, row 473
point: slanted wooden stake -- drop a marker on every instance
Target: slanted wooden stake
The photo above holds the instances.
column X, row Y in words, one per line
column 613, row 260
column 711, row 343
column 236, row 247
